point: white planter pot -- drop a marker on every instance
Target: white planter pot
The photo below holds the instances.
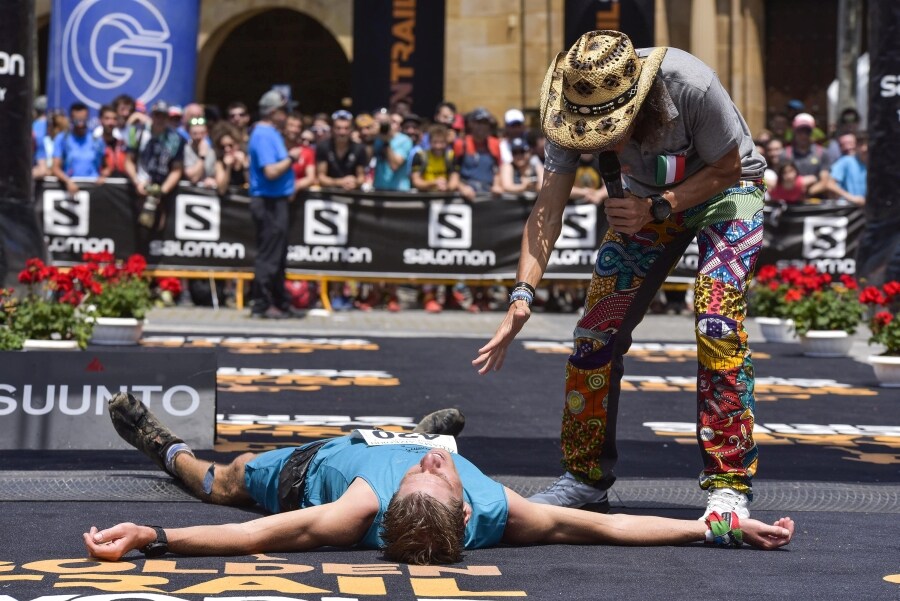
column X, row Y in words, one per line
column 117, row 331
column 50, row 345
column 887, row 370
column 775, row 329
column 826, row 343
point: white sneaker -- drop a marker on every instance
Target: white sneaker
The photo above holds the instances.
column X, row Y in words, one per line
column 569, row 492
column 725, row 500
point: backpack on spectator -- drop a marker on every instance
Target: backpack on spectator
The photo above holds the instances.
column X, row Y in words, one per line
column 464, row 146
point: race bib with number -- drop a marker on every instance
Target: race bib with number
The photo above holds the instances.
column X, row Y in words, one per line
column 376, row 438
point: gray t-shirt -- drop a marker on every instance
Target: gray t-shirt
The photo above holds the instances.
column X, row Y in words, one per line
column 704, row 126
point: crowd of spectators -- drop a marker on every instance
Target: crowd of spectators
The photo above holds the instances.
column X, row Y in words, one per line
column 394, row 150
column 807, row 165
column 388, row 149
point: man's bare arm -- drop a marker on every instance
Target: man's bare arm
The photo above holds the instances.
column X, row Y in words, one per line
column 342, row 523
column 630, row 214
column 531, row 523
column 541, row 231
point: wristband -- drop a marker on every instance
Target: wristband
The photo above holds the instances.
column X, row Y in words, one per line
column 724, row 530
column 521, row 294
column 157, row 547
column 526, row 286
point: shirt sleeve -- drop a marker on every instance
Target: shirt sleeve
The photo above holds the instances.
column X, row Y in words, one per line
column 714, row 125
column 418, row 162
column 505, row 152
column 99, row 153
column 272, row 149
column 838, row 171
column 179, row 154
column 560, row 160
column 401, row 145
column 58, row 143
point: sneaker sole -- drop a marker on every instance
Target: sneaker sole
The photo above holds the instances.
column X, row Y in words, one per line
column 139, row 427
column 443, row 421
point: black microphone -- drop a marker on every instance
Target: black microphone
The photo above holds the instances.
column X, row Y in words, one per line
column 611, row 171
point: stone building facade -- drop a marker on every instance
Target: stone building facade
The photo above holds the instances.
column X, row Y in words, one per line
column 496, row 51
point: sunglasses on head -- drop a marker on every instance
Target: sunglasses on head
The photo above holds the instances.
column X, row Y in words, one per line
column 198, row 121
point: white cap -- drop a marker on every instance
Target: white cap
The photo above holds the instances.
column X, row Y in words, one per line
column 514, row 116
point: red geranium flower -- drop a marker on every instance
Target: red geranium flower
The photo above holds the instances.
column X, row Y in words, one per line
column 849, row 282
column 792, row 296
column 767, row 273
column 882, row 318
column 891, row 290
column 872, row 296
column 790, row 275
column 135, row 265
column 109, row 271
column 172, row 285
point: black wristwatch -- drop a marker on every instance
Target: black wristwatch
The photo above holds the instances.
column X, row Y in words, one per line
column 660, row 208
column 158, row 547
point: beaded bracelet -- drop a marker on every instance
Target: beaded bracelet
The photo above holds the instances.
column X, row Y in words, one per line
column 724, row 530
column 521, row 294
column 526, row 286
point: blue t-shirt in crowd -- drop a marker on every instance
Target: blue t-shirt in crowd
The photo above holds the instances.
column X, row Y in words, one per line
column 850, row 174
column 82, row 156
column 385, row 177
column 266, row 146
column 39, row 129
column 341, row 460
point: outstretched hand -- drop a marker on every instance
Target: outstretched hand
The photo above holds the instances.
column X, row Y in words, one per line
column 113, row 543
column 491, row 355
column 764, row 536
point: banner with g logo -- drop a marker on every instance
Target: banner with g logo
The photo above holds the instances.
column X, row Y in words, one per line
column 102, row 48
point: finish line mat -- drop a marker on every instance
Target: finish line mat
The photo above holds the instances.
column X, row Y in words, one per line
column 819, row 421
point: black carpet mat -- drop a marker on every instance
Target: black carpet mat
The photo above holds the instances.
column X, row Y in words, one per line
column 819, row 420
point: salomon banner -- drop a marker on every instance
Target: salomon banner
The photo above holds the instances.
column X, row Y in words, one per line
column 398, row 54
column 58, row 400
column 380, row 234
column 19, row 236
column 632, row 17
column 102, row 48
column 880, row 251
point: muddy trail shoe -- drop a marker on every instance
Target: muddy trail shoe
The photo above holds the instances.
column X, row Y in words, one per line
column 140, row 428
column 442, row 421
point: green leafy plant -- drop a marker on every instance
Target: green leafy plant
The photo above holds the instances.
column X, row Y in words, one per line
column 816, row 301
column 884, row 325
column 124, row 290
column 49, row 310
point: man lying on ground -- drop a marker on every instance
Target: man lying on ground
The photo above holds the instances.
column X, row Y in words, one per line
column 418, row 503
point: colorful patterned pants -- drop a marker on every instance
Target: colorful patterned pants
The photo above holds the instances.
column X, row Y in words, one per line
column 627, row 275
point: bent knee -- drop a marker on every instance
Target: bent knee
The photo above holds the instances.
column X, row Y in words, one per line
column 721, row 342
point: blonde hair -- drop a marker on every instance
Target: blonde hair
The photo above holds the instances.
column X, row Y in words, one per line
column 419, row 529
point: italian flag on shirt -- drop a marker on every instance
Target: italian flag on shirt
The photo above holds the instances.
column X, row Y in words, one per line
column 669, row 169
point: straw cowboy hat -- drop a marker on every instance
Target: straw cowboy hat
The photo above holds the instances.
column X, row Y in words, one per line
column 592, row 93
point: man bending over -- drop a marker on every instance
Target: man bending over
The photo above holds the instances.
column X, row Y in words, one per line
column 421, row 505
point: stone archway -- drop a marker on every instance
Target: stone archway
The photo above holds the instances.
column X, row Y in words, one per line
column 312, row 41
